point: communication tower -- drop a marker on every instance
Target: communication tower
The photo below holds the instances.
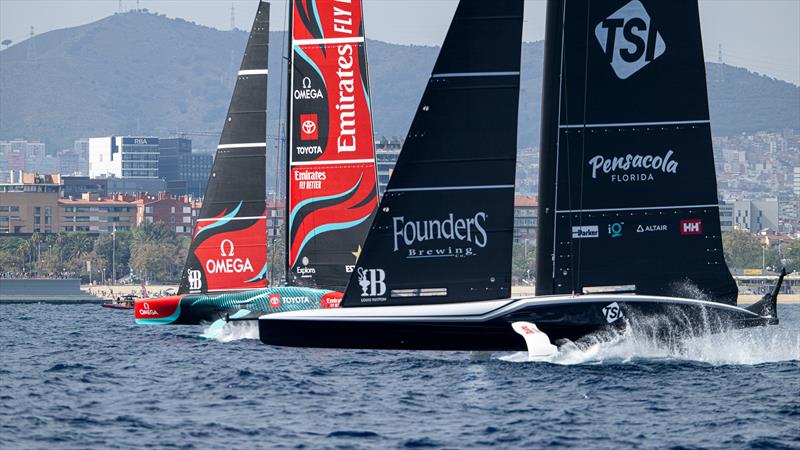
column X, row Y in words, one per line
column 233, row 17
column 31, row 46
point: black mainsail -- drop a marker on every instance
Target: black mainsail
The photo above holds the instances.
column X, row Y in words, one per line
column 444, row 228
column 229, row 246
column 628, row 194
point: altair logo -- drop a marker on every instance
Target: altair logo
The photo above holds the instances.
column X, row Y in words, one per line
column 629, row 39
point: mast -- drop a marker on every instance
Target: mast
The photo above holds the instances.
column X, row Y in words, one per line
column 287, row 140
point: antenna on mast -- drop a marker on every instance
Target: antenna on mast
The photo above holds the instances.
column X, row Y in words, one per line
column 233, row 17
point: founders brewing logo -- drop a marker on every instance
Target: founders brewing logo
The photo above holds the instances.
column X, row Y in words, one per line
column 436, row 238
column 623, row 169
column 629, row 39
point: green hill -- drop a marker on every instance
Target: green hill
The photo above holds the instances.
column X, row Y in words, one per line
column 142, row 73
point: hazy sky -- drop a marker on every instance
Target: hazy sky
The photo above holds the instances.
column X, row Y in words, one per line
column 762, row 35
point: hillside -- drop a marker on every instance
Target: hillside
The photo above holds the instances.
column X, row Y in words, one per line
column 143, row 73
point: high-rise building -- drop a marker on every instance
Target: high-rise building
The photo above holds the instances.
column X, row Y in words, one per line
column 386, row 153
column 35, row 158
column 756, row 215
column 123, row 157
column 796, row 184
column 80, row 148
column 194, row 169
column 170, row 151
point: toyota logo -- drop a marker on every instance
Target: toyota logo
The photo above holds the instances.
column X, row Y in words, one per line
column 309, row 127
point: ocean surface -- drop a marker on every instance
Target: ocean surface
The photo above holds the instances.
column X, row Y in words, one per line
column 88, row 377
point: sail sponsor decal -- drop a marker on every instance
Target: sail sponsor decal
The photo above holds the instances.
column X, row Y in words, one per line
column 615, row 229
column 234, row 256
column 162, row 310
column 633, row 167
column 372, row 283
column 691, row 227
column 332, row 178
column 630, row 39
column 585, row 231
column 449, row 236
column 651, row 228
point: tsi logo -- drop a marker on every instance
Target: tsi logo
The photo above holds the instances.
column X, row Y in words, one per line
column 195, row 279
column 372, row 282
column 586, row 231
column 629, row 39
column 612, row 312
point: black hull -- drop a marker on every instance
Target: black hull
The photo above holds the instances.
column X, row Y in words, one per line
column 560, row 318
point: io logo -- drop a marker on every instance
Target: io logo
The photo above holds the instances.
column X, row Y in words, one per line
column 371, row 282
column 274, row 301
column 308, row 127
column 630, row 39
column 691, row 227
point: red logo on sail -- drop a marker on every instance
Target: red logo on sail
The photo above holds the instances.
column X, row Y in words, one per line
column 274, row 301
column 308, row 127
column 691, row 226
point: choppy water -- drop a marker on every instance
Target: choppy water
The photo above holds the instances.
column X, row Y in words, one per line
column 86, row 377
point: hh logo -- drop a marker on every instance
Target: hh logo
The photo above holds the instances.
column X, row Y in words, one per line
column 195, row 279
column 692, row 226
column 612, row 312
column 274, row 301
column 629, row 39
column 308, row 127
column 371, row 282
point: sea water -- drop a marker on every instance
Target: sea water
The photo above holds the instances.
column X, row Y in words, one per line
column 86, row 377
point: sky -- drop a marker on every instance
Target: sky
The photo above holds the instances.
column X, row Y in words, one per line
column 761, row 35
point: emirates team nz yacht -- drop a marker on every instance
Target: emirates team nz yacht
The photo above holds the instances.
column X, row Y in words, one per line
column 331, row 181
column 628, row 226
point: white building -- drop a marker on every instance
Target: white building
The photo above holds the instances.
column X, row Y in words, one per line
column 797, row 181
column 123, row 157
column 753, row 215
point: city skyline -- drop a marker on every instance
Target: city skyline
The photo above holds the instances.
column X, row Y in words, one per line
column 761, row 35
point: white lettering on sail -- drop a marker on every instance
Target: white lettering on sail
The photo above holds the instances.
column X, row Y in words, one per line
column 342, row 18
column 346, row 105
column 458, row 230
column 628, row 162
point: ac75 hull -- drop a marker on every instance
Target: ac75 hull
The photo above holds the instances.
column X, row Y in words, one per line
column 193, row 309
column 486, row 326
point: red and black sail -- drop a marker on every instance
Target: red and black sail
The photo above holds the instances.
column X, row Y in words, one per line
column 628, row 193
column 229, row 246
column 444, row 228
column 332, row 182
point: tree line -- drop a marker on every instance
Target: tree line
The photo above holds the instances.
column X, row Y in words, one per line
column 149, row 252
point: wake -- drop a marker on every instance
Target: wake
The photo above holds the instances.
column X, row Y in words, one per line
column 734, row 347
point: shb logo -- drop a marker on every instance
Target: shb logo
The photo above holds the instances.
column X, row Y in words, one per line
column 612, row 312
column 195, row 279
column 630, row 39
column 371, row 282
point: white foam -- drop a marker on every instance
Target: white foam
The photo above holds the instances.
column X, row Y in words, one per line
column 735, row 347
column 223, row 331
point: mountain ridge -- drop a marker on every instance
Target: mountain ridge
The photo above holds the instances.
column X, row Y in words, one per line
column 117, row 76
